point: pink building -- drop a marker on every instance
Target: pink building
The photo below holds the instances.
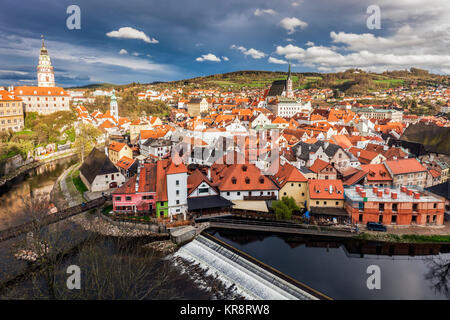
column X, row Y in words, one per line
column 137, row 195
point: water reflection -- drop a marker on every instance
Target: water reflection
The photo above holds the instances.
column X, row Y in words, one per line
column 338, row 268
column 36, row 183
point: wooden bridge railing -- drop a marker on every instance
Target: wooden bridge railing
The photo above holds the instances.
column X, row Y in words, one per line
column 51, row 218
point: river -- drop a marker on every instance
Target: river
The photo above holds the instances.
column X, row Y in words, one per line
column 36, row 182
column 339, row 270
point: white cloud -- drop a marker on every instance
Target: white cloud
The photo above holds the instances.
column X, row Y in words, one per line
column 295, row 4
column 259, row 12
column 255, row 54
column 208, row 57
column 310, row 44
column 136, row 54
column 290, row 24
column 225, row 58
column 290, row 40
column 276, row 61
column 130, row 33
column 123, row 51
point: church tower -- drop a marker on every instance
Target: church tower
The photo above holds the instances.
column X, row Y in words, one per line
column 114, row 107
column 289, row 92
column 45, row 74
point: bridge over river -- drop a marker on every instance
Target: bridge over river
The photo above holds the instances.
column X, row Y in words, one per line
column 51, row 218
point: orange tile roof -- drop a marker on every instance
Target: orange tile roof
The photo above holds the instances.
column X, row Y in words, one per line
column 402, row 166
column 237, row 177
column 125, row 162
column 288, row 173
column 320, row 189
column 319, row 165
column 376, row 172
column 116, row 146
column 8, row 96
column 40, row 91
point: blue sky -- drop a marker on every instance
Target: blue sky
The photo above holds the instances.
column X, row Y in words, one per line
column 145, row 41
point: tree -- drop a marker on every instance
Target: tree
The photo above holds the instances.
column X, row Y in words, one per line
column 85, row 139
column 284, row 208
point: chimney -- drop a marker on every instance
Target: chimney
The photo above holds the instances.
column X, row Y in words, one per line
column 358, row 154
column 394, row 195
column 386, row 191
column 403, row 189
column 409, row 192
column 417, row 195
column 363, row 194
column 137, row 177
column 375, row 189
column 331, row 189
column 380, row 194
column 209, row 174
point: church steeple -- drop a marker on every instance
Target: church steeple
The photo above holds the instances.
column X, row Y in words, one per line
column 45, row 75
column 289, row 92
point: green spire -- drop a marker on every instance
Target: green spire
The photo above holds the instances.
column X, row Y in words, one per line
column 289, row 71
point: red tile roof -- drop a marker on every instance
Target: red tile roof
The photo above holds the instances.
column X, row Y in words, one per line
column 237, row 177
column 402, row 166
column 376, row 172
column 125, row 162
column 320, row 189
column 288, row 173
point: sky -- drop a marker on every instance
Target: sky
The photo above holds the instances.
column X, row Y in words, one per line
column 152, row 40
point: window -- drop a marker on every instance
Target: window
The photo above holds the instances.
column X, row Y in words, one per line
column 394, row 219
column 238, row 193
column 317, row 202
column 381, row 207
column 414, row 219
column 284, row 193
column 118, row 198
column 178, row 201
column 178, row 192
column 203, row 190
column 414, row 207
column 380, row 218
column 324, row 202
column 395, row 207
column 128, row 198
column 360, row 218
column 177, row 182
column 434, row 205
column 337, row 203
column 361, row 206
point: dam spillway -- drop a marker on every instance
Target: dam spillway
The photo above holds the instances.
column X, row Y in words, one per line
column 251, row 280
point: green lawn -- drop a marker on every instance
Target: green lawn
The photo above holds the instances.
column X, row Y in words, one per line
column 78, row 183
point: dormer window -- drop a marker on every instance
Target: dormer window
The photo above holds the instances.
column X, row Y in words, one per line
column 233, row 180
column 247, row 180
column 261, row 180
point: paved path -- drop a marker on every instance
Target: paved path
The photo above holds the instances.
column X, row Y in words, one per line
column 68, row 189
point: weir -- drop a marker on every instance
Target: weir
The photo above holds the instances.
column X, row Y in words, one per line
column 251, row 280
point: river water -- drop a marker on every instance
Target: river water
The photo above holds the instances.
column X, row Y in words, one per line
column 339, row 268
column 37, row 182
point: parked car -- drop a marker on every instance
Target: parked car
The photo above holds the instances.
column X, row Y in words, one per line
column 374, row 226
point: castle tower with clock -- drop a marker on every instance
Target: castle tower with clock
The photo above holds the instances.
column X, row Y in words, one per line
column 45, row 74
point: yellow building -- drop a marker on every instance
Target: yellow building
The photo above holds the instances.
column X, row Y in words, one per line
column 325, row 194
column 292, row 183
column 197, row 106
column 11, row 112
column 117, row 150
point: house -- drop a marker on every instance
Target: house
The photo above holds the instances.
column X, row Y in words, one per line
column 366, row 156
column 377, row 175
column 118, row 150
column 325, row 200
column 138, row 194
column 98, row 173
column 406, row 172
column 171, row 189
column 127, row 166
column 323, row 170
column 156, row 147
column 291, row 183
column 242, row 182
column 197, row 106
column 399, row 206
column 203, row 196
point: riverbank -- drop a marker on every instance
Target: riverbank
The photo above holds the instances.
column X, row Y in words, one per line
column 35, row 164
